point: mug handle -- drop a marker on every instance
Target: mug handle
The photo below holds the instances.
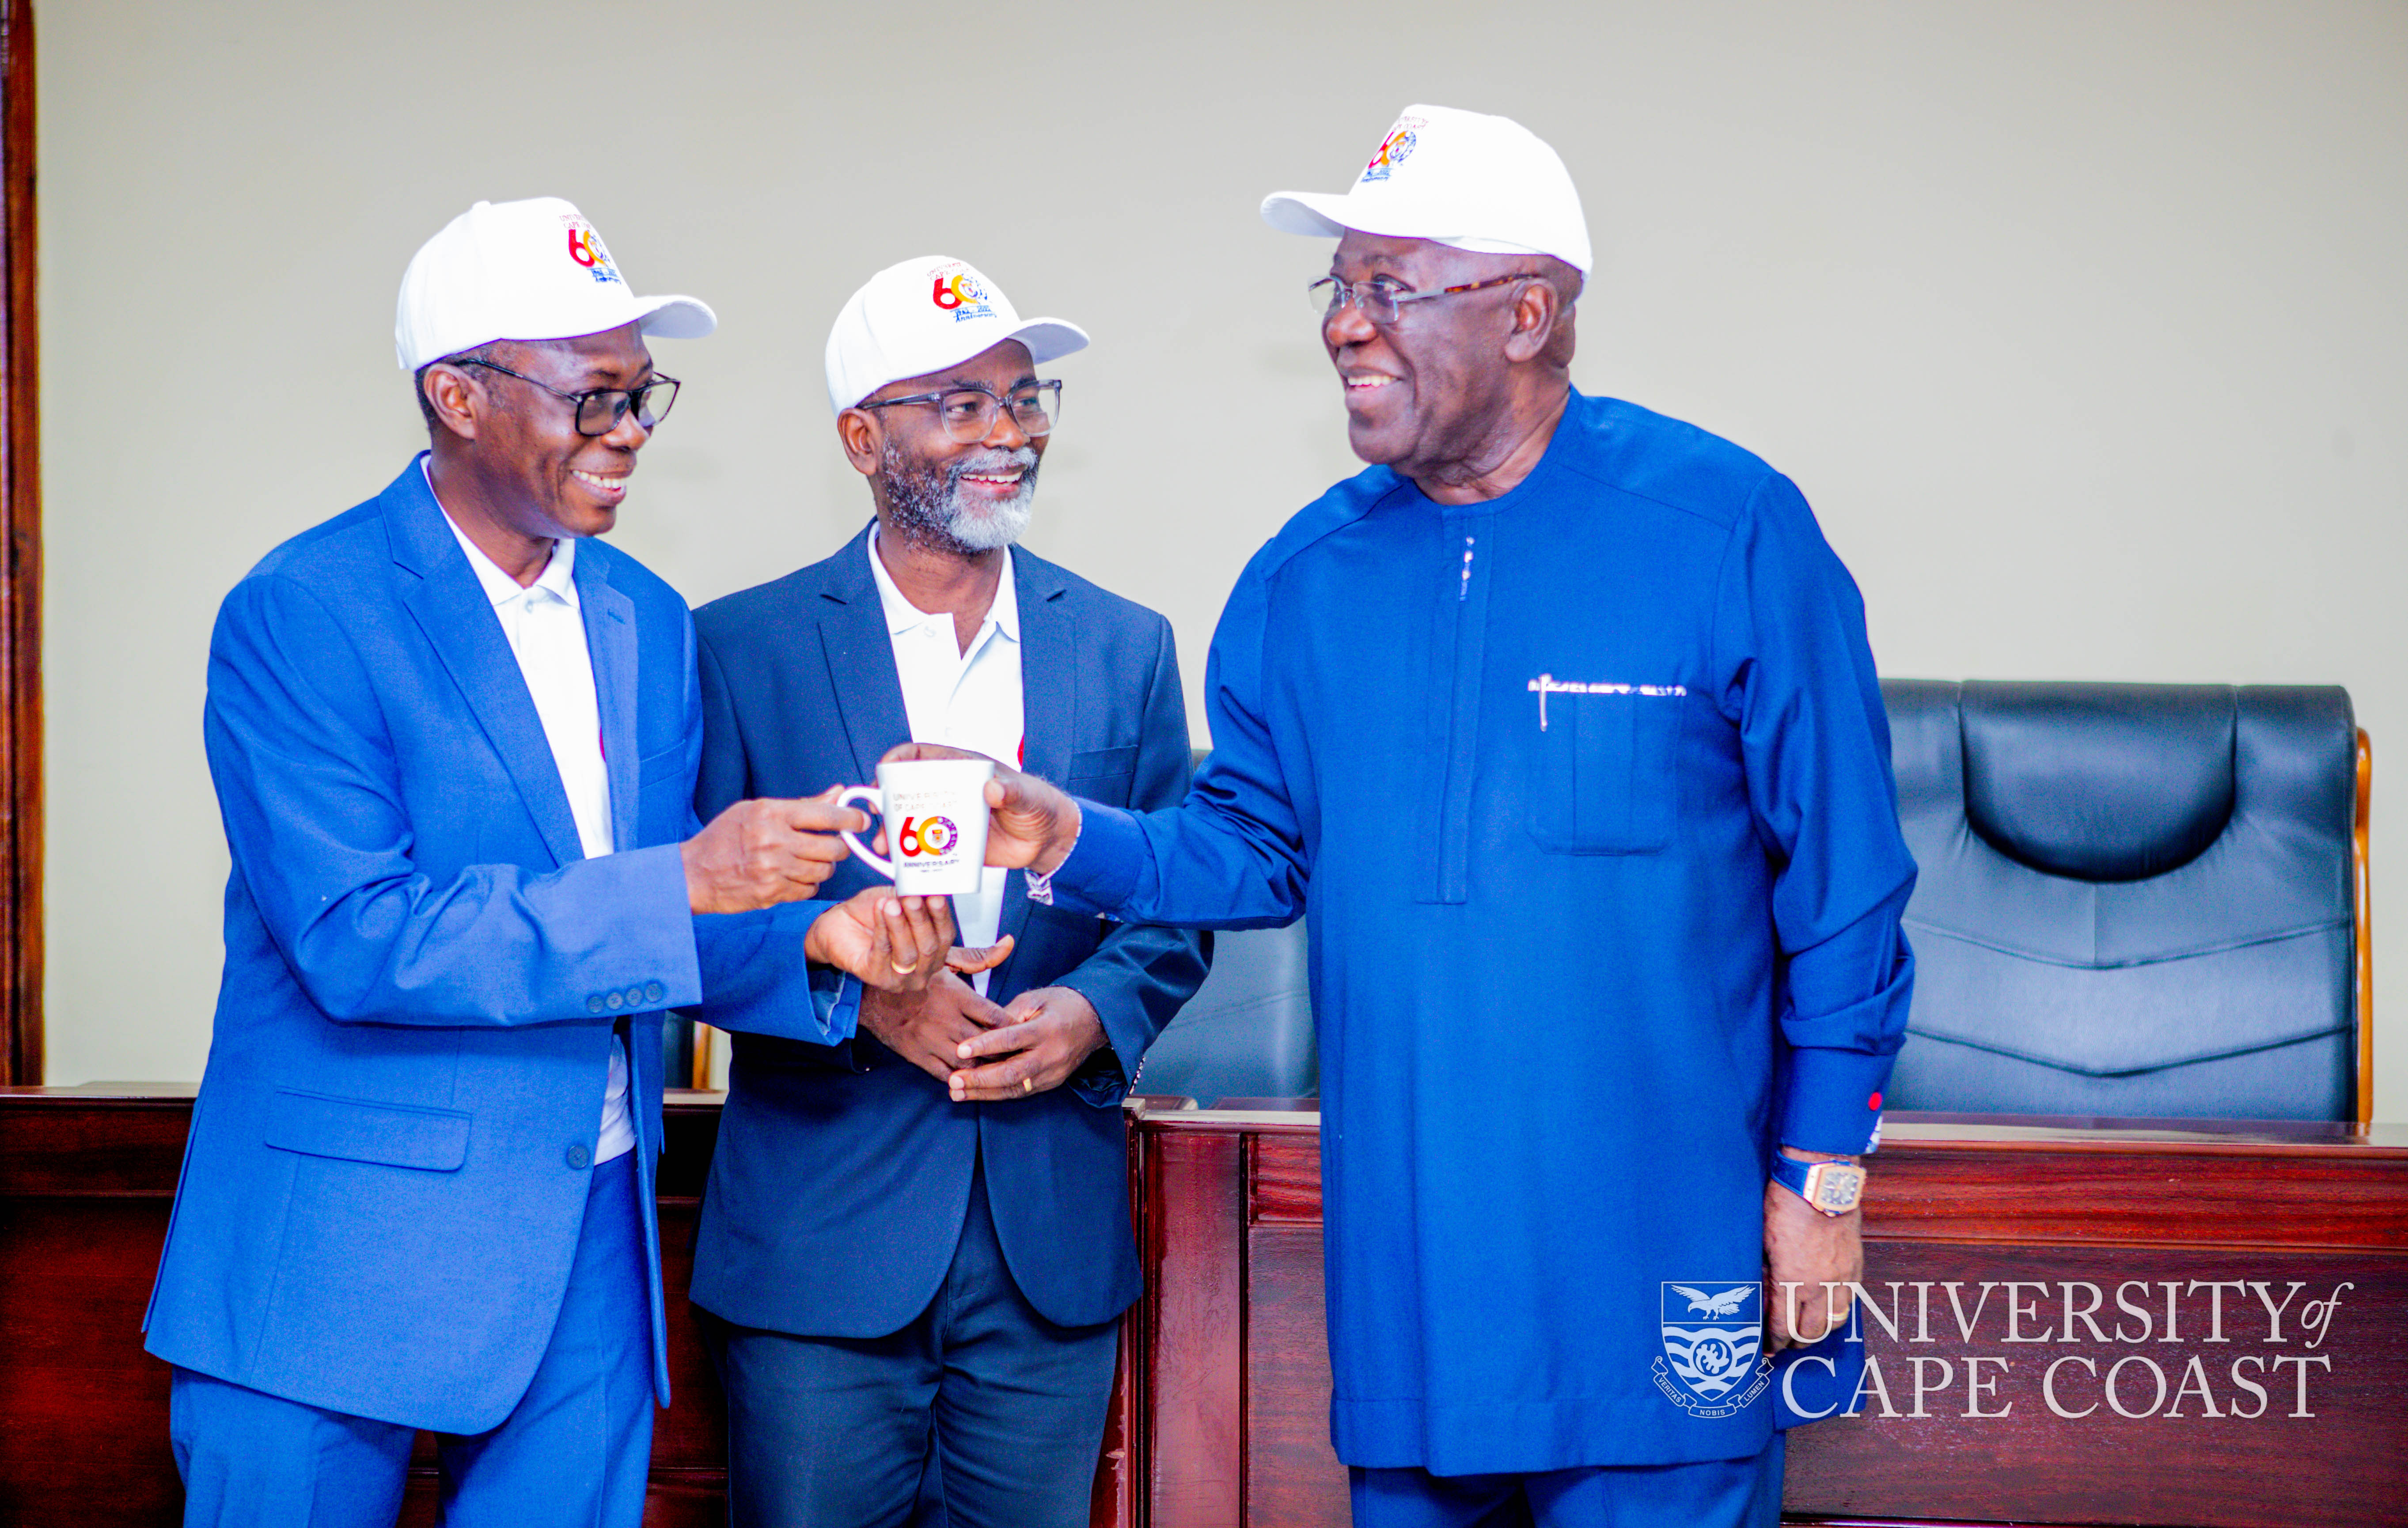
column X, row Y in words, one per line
column 873, row 801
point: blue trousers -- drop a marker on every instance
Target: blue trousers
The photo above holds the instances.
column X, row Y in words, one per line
column 979, row 1414
column 576, row 1449
column 1716, row 1494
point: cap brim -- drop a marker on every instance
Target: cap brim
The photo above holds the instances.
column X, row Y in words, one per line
column 675, row 318
column 1308, row 212
column 1048, row 339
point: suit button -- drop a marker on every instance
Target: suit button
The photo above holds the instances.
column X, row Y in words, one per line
column 634, row 997
column 655, row 991
column 579, row 1156
column 593, row 1003
column 614, row 1002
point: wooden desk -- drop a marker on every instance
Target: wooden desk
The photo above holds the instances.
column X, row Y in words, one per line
column 1986, row 1225
column 86, row 1179
column 1221, row 1421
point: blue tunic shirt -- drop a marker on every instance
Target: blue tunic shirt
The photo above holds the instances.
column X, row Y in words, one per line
column 1586, row 792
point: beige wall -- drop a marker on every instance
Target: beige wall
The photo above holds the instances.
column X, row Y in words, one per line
column 2081, row 326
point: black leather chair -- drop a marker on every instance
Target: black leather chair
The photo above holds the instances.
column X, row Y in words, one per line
column 1248, row 1031
column 2135, row 900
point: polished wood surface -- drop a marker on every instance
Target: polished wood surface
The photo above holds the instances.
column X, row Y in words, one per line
column 20, row 565
column 1221, row 1417
column 2025, row 1219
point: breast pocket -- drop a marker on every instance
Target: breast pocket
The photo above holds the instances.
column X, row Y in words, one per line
column 1102, row 774
column 1606, row 780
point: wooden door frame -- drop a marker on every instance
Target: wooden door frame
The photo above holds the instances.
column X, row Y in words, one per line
column 21, row 566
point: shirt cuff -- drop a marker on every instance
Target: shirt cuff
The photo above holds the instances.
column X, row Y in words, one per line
column 1834, row 1101
column 835, row 998
column 1103, row 866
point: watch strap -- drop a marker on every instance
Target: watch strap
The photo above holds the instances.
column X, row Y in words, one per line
column 1825, row 1191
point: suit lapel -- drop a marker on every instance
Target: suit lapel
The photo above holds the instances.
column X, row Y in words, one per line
column 1049, row 698
column 610, row 643
column 458, row 621
column 860, row 656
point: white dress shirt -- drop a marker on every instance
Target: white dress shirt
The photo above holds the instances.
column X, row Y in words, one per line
column 968, row 699
column 546, row 630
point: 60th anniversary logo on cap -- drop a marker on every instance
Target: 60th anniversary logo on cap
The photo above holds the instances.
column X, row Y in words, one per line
column 1394, row 150
column 957, row 289
column 585, row 248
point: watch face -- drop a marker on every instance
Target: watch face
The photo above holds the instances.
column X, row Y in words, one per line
column 1834, row 1187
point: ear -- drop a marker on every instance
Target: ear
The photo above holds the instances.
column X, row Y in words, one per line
column 864, row 439
column 457, row 398
column 1539, row 313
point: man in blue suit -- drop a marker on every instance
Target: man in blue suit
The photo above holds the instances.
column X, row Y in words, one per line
column 454, row 742
column 916, row 1263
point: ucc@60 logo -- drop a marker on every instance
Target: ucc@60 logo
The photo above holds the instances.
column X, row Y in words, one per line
column 957, row 289
column 925, row 836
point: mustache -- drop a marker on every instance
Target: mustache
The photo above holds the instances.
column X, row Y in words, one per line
column 1024, row 458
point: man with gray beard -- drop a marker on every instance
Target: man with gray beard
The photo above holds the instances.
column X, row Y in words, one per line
column 913, row 1258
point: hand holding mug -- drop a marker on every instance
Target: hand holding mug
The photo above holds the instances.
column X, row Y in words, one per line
column 759, row 854
column 1031, row 824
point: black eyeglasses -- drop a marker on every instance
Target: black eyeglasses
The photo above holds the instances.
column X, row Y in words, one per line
column 1381, row 299
column 600, row 409
column 968, row 413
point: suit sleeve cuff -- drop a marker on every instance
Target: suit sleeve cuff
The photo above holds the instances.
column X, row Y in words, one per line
column 1833, row 1101
column 835, row 997
column 1102, row 870
column 1102, row 1079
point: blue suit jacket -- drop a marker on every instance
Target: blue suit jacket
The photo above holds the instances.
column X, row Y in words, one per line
column 842, row 1175
column 389, row 1158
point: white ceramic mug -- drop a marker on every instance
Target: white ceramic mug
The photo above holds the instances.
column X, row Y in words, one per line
column 935, row 812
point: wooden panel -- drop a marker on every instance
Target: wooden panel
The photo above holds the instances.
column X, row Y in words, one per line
column 1196, row 1298
column 1293, row 1476
column 53, row 1144
column 85, row 1438
column 2150, row 1192
column 2223, row 1444
column 86, row 1185
column 1286, row 1185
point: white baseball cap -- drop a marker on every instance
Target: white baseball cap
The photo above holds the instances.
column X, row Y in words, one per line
column 523, row 270
column 925, row 315
column 1462, row 178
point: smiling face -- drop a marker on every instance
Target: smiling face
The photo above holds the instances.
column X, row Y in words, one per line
column 537, row 473
column 1427, row 392
column 962, row 498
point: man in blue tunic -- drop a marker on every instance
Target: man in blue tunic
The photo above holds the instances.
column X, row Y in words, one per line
column 1560, row 724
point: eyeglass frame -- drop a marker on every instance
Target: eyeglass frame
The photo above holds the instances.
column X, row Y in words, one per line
column 1342, row 293
column 577, row 417
column 1002, row 404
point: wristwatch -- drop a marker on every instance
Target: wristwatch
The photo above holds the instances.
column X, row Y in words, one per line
column 1831, row 1188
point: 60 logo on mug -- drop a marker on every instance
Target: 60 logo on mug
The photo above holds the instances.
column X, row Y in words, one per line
column 936, row 812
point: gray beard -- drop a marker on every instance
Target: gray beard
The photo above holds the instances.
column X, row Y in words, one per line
column 925, row 503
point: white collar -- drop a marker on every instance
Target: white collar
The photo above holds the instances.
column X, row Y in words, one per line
column 1002, row 616
column 558, row 576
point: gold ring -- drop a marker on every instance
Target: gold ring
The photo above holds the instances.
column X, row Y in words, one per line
column 901, row 970
column 1028, row 1085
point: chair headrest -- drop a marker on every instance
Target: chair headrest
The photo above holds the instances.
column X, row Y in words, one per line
column 2103, row 783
